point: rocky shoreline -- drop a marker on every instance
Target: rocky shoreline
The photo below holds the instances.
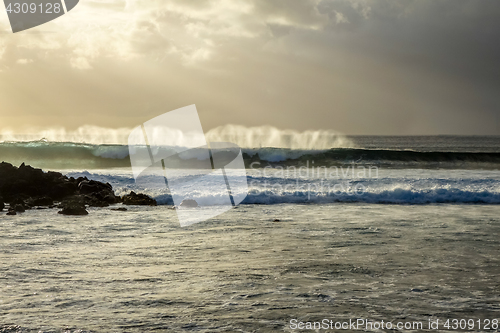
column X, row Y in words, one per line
column 25, row 187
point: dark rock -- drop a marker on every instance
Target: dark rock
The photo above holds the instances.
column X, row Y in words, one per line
column 74, row 199
column 138, row 199
column 81, row 179
column 17, row 201
column 94, row 202
column 54, row 175
column 83, row 200
column 40, row 201
column 62, row 189
column 100, row 191
column 37, row 188
column 276, row 220
column 188, row 203
column 18, row 208
column 2, row 205
column 11, row 212
column 121, row 209
column 74, row 210
column 73, row 206
column 88, row 186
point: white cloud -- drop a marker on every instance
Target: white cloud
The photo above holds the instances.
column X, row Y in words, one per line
column 191, row 30
column 3, row 47
column 24, row 61
column 80, row 63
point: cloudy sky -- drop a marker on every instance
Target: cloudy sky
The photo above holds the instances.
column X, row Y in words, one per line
column 354, row 66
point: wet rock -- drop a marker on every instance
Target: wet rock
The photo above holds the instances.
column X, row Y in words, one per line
column 98, row 190
column 276, row 220
column 40, row 201
column 188, row 203
column 18, row 208
column 11, row 212
column 138, row 200
column 121, row 209
column 2, row 205
column 73, row 200
column 74, row 208
column 95, row 202
column 37, row 188
column 18, row 201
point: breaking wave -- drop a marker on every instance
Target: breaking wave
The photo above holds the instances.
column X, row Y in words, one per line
column 269, row 136
column 246, row 137
column 403, row 187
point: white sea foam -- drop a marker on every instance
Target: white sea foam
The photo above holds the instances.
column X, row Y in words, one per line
column 393, row 187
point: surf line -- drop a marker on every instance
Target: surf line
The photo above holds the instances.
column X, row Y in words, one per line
column 310, row 171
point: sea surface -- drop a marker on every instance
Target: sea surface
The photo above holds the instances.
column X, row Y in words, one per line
column 399, row 229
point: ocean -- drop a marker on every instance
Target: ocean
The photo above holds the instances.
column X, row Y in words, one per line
column 399, row 229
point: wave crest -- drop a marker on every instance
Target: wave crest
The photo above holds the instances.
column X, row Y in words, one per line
column 269, row 136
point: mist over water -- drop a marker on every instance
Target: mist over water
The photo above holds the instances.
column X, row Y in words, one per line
column 84, row 134
column 269, row 136
column 245, row 137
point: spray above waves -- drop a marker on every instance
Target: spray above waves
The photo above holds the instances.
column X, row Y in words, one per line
column 84, row 134
column 245, row 137
column 268, row 136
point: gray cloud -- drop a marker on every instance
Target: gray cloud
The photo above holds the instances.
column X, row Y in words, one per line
column 356, row 66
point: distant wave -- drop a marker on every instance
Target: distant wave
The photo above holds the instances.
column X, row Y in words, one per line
column 70, row 155
column 61, row 155
column 395, row 158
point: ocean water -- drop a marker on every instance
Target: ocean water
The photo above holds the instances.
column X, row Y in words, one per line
column 393, row 229
column 139, row 271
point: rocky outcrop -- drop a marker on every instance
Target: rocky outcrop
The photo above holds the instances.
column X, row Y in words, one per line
column 38, row 188
column 98, row 191
column 138, row 199
column 74, row 209
column 73, row 206
column 27, row 182
column 25, row 187
column 41, row 201
column 188, row 203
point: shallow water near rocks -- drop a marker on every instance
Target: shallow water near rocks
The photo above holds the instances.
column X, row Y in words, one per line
column 139, row 271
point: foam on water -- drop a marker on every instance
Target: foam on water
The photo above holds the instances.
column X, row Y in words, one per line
column 389, row 187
